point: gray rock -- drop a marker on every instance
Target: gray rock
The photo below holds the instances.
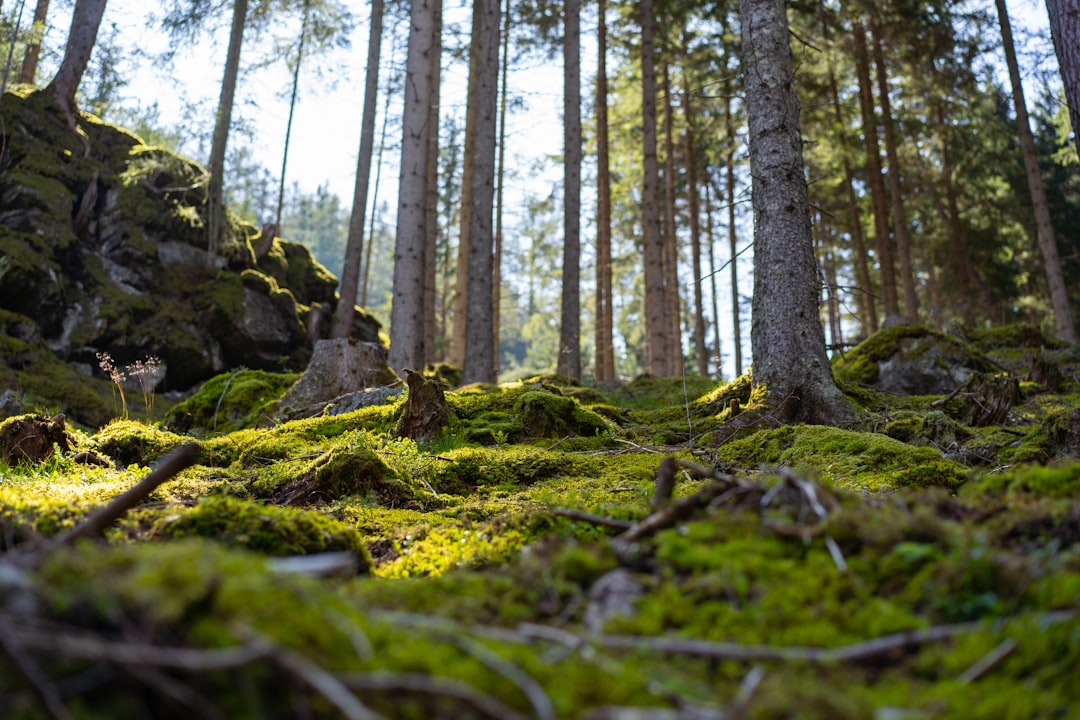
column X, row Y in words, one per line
column 338, row 367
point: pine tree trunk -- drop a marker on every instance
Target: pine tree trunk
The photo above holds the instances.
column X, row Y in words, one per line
column 461, row 275
column 28, row 72
column 410, row 252
column 431, row 204
column 694, row 210
column 479, row 348
column 1059, row 296
column 787, row 337
column 878, row 199
column 604, row 341
column 656, row 339
column 500, row 172
column 713, row 271
column 569, row 356
column 671, row 239
column 292, row 111
column 85, row 21
column 215, row 201
column 1065, row 30
column 733, row 234
column 354, row 246
column 896, row 191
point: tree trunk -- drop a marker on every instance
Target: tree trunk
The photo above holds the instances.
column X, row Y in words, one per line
column 605, row 350
column 431, row 203
column 289, row 122
column 873, row 170
column 656, row 339
column 1059, row 296
column 410, row 252
column 354, row 246
column 28, row 73
column 215, row 201
column 787, row 337
column 896, row 191
column 378, row 178
column 479, row 348
column 694, row 210
column 569, row 360
column 733, row 234
column 713, row 271
column 1065, row 30
column 85, row 21
column 671, row 238
column 500, row 172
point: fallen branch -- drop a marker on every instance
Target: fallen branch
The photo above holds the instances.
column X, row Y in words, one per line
column 168, row 467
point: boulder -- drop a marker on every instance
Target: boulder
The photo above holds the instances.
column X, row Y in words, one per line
column 338, row 367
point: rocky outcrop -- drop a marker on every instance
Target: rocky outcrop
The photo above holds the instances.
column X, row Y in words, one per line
column 103, row 249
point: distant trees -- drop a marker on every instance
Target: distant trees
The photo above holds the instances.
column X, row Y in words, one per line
column 28, row 72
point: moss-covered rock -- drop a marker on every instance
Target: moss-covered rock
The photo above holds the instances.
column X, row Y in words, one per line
column 230, row 401
column 129, row 442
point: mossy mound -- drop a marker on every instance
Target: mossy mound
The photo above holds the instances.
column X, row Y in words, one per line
column 522, row 413
column 843, row 458
column 266, row 529
column 230, row 401
column 133, row 443
column 465, row 469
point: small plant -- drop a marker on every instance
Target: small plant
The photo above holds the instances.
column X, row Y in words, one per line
column 146, row 373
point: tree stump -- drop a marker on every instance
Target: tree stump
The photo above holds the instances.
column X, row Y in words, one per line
column 988, row 399
column 426, row 411
column 31, row 438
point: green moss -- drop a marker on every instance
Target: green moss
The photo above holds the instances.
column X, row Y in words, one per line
column 262, row 528
column 465, row 469
column 844, row 458
column 134, row 443
column 231, row 401
column 1053, row 482
column 1014, row 335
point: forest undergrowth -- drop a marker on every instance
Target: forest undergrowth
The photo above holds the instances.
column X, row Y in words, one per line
column 663, row 549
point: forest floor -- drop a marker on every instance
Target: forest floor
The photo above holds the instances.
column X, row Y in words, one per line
column 660, row 549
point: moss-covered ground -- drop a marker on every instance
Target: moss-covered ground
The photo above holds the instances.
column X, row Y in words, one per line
column 519, row 565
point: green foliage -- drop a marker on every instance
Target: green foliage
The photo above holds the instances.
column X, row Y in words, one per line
column 231, row 401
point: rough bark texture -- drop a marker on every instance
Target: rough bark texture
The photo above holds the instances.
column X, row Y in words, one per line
column 1059, row 296
column 85, row 21
column 431, row 202
column 878, row 199
column 656, row 339
column 569, row 361
column 733, row 234
column 354, row 246
column 407, row 311
column 426, row 411
column 605, row 350
column 215, row 201
column 500, row 185
column 786, row 335
column 479, row 345
column 1065, row 30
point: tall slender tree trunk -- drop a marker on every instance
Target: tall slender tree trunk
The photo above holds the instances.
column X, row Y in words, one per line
column 569, row 360
column 787, row 337
column 713, row 272
column 85, row 21
column 461, row 276
column 896, row 190
column 354, row 245
column 479, row 347
column 215, row 200
column 694, row 210
column 410, row 251
column 656, row 335
column 733, row 233
column 28, row 72
column 375, row 190
column 604, row 341
column 292, row 111
column 1065, row 30
column 886, row 257
column 672, row 312
column 1059, row 296
column 500, row 179
column 431, row 203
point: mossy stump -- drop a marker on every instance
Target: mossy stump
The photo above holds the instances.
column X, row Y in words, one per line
column 31, row 438
column 426, row 411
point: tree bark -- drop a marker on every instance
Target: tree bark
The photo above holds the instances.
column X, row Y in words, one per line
column 882, row 238
column 656, row 339
column 733, row 233
column 479, row 347
column 500, row 179
column 569, row 356
column 85, row 21
column 896, row 190
column 787, row 337
column 694, row 210
column 354, row 246
column 713, row 271
column 1059, row 296
column 410, row 252
column 431, row 203
column 1065, row 30
column 215, row 201
column 604, row 341
column 28, row 72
